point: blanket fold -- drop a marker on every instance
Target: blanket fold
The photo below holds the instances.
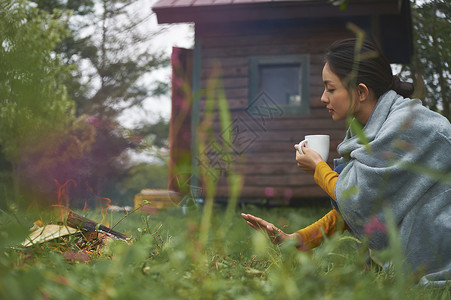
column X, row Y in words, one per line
column 406, row 141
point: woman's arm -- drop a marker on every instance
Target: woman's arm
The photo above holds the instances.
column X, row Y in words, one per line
column 275, row 234
column 308, row 238
column 312, row 162
column 326, row 178
column 313, row 235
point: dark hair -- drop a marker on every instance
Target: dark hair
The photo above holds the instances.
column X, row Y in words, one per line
column 371, row 69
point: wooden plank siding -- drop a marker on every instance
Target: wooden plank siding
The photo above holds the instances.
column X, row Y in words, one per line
column 267, row 161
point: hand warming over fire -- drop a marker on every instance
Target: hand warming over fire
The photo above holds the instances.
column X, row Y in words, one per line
column 275, row 234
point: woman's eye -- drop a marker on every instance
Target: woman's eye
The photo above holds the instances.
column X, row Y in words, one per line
column 330, row 90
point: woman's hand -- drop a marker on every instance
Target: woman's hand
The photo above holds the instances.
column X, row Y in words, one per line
column 308, row 160
column 275, row 234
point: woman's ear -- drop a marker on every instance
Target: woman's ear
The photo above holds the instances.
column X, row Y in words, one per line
column 362, row 92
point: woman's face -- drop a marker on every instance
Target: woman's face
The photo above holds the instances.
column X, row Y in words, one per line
column 335, row 96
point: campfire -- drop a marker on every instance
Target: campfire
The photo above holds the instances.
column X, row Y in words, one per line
column 87, row 235
column 77, row 237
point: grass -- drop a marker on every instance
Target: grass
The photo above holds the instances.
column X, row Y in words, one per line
column 168, row 260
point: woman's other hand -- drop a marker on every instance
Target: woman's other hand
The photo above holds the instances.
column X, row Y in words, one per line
column 308, row 160
column 275, row 234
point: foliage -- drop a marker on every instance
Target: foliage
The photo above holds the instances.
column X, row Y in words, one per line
column 155, row 134
column 138, row 177
column 112, row 55
column 57, row 51
column 36, row 114
column 166, row 260
column 431, row 64
column 33, row 99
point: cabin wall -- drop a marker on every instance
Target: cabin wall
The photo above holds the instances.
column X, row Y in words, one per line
column 262, row 149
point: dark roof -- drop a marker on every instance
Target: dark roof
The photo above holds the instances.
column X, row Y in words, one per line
column 185, row 3
column 393, row 16
column 182, row 11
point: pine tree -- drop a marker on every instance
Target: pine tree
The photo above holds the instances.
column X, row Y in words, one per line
column 431, row 64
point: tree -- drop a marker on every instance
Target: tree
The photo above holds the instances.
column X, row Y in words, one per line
column 431, row 64
column 35, row 109
column 32, row 94
column 110, row 55
column 119, row 55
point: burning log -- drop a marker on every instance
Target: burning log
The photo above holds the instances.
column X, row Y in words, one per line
column 76, row 221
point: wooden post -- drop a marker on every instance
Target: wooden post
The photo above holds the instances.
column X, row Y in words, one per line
column 180, row 123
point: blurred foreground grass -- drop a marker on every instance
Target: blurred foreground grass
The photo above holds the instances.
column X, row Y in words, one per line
column 166, row 260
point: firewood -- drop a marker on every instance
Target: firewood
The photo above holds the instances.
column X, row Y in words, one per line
column 76, row 221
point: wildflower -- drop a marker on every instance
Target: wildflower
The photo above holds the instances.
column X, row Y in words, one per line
column 288, row 194
column 269, row 192
column 374, row 226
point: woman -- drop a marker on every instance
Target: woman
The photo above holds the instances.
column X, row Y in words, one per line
column 378, row 171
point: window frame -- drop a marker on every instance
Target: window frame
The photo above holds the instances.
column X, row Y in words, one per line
column 302, row 59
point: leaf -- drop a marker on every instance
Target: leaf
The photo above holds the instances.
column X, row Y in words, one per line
column 357, row 129
column 253, row 272
column 349, row 192
column 350, row 238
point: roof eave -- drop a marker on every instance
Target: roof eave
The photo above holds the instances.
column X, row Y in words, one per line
column 269, row 11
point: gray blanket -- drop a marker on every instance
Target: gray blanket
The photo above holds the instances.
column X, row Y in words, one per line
column 405, row 139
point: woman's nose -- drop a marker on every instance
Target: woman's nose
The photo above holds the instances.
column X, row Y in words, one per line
column 323, row 98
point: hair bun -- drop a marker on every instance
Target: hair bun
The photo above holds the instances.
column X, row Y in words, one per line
column 403, row 88
column 395, row 82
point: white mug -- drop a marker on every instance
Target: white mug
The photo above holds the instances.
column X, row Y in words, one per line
column 319, row 142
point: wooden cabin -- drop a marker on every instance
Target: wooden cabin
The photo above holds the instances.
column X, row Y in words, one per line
column 265, row 57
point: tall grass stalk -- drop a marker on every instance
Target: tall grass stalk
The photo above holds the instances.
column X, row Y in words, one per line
column 167, row 261
column 216, row 99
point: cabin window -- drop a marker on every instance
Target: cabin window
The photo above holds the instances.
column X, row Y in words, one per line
column 281, row 81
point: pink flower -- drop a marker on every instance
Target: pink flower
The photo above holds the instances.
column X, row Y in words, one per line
column 288, row 193
column 374, row 226
column 269, row 192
